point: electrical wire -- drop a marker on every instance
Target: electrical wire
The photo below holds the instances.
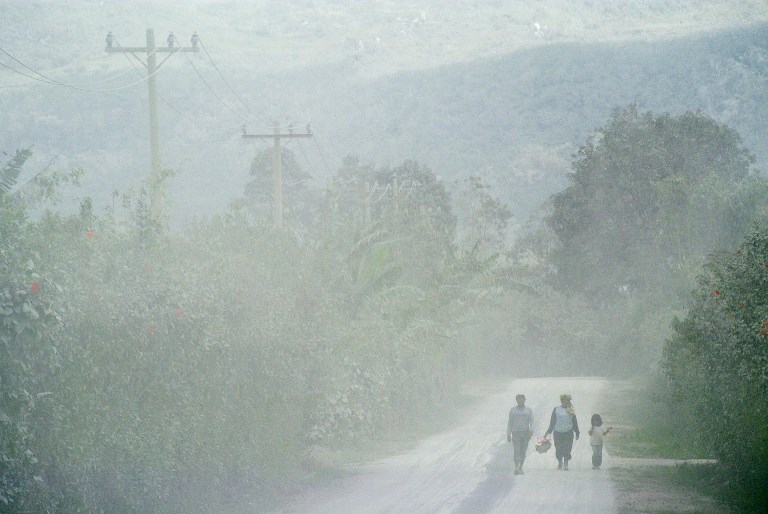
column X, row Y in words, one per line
column 48, row 80
column 209, row 87
column 108, row 79
column 222, row 77
column 328, row 168
column 138, row 70
column 174, row 109
column 312, row 167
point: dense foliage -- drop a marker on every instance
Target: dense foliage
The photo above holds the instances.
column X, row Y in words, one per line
column 150, row 371
column 648, row 196
column 716, row 366
column 147, row 370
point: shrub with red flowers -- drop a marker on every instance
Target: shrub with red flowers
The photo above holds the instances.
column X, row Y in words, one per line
column 177, row 366
column 29, row 326
column 716, row 364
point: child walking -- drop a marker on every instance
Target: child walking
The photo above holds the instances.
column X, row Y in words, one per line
column 596, row 434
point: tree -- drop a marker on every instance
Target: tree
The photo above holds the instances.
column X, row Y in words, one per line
column 647, row 194
column 717, row 362
column 485, row 227
column 301, row 205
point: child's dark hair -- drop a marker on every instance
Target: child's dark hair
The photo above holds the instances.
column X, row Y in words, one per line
column 597, row 421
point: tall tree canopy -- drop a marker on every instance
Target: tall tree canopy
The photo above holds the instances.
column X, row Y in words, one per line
column 647, row 195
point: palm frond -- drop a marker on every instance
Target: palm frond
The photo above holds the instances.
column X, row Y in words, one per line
column 37, row 189
column 9, row 175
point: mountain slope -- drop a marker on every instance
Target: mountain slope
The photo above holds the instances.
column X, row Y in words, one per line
column 514, row 117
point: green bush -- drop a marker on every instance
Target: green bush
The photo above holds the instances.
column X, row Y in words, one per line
column 716, row 364
column 154, row 371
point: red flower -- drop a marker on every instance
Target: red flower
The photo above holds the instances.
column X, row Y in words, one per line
column 180, row 312
column 716, row 292
column 765, row 265
column 763, row 331
column 765, row 323
column 152, row 330
column 35, row 286
column 89, row 233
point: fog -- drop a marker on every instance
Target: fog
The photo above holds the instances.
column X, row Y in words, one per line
column 300, row 256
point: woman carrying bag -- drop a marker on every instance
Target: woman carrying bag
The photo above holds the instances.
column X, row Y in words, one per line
column 563, row 424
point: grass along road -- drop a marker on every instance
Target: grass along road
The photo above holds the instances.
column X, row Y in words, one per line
column 655, row 468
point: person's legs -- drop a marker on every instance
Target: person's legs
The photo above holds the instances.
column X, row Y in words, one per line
column 598, row 455
column 523, row 448
column 595, row 456
column 516, row 446
column 520, row 442
column 558, row 440
column 567, row 444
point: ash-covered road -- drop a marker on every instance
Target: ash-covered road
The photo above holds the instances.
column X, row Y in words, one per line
column 469, row 469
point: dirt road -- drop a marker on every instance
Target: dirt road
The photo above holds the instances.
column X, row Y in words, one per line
column 469, row 469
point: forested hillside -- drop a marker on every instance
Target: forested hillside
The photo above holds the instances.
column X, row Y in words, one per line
column 512, row 108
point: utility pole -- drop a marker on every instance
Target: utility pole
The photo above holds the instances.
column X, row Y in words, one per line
column 277, row 162
column 152, row 67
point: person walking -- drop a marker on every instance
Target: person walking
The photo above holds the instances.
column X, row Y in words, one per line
column 519, row 431
column 563, row 425
column 596, row 434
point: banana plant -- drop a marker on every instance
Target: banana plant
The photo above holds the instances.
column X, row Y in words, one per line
column 11, row 170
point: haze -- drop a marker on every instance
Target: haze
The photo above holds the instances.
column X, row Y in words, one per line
column 471, row 200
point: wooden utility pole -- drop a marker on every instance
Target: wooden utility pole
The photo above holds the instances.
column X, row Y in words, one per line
column 152, row 67
column 277, row 172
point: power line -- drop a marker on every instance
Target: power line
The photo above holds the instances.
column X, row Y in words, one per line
column 211, row 89
column 222, row 78
column 108, row 79
column 174, row 109
column 48, row 80
column 327, row 168
column 54, row 81
column 301, row 147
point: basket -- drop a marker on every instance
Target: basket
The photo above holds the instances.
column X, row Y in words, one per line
column 543, row 445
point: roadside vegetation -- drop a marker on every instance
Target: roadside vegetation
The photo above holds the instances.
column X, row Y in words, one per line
column 657, row 207
column 147, row 369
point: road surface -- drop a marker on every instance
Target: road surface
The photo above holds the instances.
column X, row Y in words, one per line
column 469, row 469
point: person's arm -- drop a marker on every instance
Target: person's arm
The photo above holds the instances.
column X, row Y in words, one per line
column 530, row 423
column 607, row 430
column 509, row 427
column 576, row 426
column 552, row 421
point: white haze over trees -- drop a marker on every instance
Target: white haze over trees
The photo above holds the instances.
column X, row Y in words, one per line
column 498, row 189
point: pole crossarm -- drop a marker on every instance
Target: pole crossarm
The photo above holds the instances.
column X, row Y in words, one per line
column 270, row 136
column 277, row 164
column 151, row 50
column 160, row 50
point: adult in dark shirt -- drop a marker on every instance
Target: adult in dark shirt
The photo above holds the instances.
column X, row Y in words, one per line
column 563, row 425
